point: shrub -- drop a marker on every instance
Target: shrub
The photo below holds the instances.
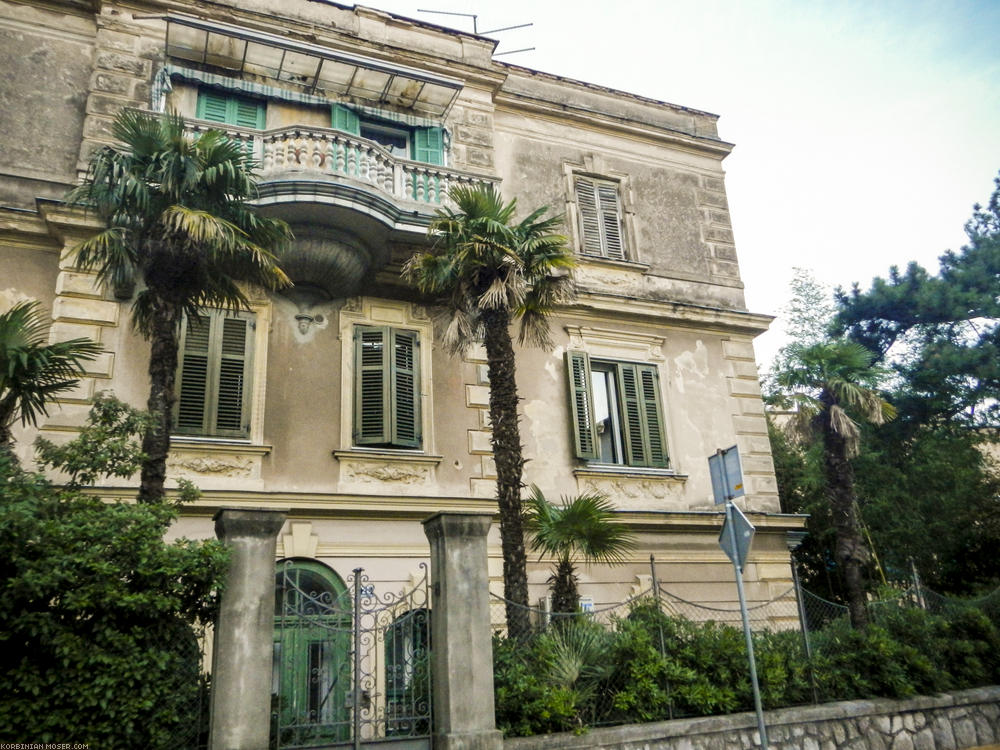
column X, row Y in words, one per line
column 526, row 701
column 658, row 667
column 97, row 642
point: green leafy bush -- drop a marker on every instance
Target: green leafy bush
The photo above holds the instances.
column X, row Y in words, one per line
column 97, row 613
column 656, row 667
column 527, row 702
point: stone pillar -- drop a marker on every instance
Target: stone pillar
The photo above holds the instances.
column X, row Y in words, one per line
column 240, row 717
column 461, row 643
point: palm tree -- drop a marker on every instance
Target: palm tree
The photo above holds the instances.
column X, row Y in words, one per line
column 178, row 221
column 33, row 372
column 489, row 271
column 581, row 529
column 834, row 380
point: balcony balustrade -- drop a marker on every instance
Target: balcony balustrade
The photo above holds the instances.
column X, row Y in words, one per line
column 332, row 154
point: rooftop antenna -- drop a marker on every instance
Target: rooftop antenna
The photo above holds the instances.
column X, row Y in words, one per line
column 475, row 27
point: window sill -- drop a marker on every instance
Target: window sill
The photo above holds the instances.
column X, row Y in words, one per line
column 625, row 265
column 218, row 445
column 636, row 472
column 391, row 455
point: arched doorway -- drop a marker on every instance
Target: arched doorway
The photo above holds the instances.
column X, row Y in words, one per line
column 312, row 646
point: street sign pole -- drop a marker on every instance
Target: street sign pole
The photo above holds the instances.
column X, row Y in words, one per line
column 727, row 483
column 746, row 629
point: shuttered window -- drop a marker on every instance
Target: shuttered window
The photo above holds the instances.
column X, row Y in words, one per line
column 599, row 210
column 386, row 387
column 238, row 111
column 213, row 379
column 617, row 412
column 425, row 144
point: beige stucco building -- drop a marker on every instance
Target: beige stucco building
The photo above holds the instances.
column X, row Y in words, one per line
column 360, row 121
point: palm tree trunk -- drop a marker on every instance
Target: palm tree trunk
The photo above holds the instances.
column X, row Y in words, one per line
column 851, row 552
column 162, row 374
column 565, row 596
column 506, row 440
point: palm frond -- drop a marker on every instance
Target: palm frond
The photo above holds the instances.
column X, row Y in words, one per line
column 177, row 218
column 33, row 371
column 582, row 526
column 479, row 260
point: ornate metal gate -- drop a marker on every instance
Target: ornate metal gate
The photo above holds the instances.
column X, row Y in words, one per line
column 351, row 665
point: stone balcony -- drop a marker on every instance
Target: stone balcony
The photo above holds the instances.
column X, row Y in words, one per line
column 327, row 155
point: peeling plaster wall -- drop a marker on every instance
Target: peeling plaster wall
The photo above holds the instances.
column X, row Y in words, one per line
column 530, row 129
column 42, row 105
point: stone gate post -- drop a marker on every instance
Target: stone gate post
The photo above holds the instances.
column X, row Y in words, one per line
column 240, row 714
column 461, row 644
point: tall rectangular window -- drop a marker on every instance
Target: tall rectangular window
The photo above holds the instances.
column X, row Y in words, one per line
column 214, row 373
column 600, row 215
column 617, row 412
column 386, row 387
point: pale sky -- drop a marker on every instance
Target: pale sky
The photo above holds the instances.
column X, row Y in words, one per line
column 864, row 131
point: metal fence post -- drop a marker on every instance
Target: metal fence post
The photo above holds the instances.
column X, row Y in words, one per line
column 804, row 626
column 356, row 688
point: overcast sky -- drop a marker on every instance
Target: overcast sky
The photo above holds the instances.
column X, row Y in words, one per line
column 864, row 131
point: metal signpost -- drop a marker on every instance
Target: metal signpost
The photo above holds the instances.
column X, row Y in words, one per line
column 735, row 537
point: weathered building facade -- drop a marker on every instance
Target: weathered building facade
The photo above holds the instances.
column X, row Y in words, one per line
column 361, row 121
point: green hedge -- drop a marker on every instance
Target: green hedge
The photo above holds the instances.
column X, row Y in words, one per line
column 652, row 667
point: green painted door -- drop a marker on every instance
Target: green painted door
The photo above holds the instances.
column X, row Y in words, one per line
column 312, row 655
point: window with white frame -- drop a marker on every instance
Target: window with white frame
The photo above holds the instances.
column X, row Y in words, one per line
column 617, row 411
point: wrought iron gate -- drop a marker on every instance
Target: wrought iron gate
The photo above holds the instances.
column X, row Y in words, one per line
column 351, row 665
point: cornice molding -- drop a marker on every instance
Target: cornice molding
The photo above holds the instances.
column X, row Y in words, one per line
column 681, row 314
column 592, row 119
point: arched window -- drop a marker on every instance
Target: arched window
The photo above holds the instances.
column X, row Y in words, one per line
column 312, row 646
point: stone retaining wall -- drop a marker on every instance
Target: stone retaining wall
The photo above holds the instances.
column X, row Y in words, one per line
column 956, row 721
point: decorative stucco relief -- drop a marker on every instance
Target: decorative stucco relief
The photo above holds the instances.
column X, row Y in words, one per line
column 230, row 466
column 364, row 472
column 637, row 493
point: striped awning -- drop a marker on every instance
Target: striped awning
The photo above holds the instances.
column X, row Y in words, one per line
column 315, row 71
column 265, row 91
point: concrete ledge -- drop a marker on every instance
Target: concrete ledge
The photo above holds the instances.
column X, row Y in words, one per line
column 956, row 721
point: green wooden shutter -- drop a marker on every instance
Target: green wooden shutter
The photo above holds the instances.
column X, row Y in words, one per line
column 581, row 405
column 246, row 113
column 590, row 221
column 386, row 387
column 212, row 106
column 649, row 384
column 214, row 375
column 428, row 145
column 599, row 209
column 231, row 399
column 192, row 382
column 371, row 386
column 230, row 110
column 633, row 423
column 611, row 223
column 345, row 118
column 406, row 389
